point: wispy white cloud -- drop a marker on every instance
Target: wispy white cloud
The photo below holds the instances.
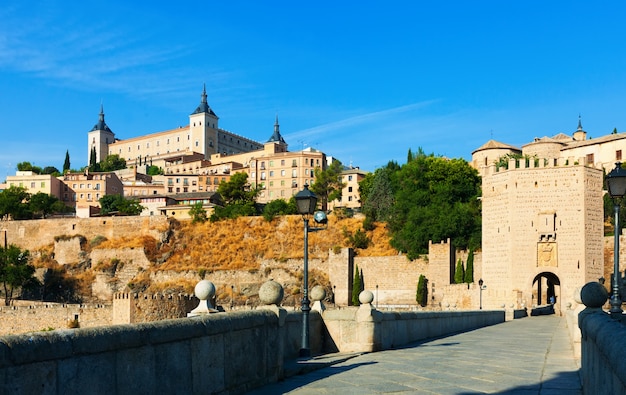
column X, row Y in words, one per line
column 371, row 118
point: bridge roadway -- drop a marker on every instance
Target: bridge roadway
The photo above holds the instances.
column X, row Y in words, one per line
column 531, row 355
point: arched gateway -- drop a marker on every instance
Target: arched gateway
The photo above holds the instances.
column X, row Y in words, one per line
column 546, row 289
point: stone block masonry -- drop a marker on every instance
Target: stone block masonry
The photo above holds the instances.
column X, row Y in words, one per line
column 35, row 234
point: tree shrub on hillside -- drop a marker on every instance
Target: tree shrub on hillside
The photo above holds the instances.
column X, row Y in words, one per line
column 469, row 268
column 459, row 273
column 356, row 287
column 15, row 271
column 421, row 295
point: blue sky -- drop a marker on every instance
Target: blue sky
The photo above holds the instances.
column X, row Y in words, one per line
column 363, row 81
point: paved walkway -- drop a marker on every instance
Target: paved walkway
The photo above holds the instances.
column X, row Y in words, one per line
column 531, row 355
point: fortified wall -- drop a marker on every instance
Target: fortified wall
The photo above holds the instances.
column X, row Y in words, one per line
column 34, row 234
column 393, row 279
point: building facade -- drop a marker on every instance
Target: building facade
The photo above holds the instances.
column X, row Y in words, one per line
column 202, row 136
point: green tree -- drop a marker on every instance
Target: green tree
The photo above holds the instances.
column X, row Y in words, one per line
column 42, row 204
column 421, row 295
column 66, row 164
column 356, row 287
column 365, row 186
column 237, row 190
column 435, row 199
column 198, row 213
column 380, row 200
column 24, row 166
column 459, row 272
column 51, row 170
column 112, row 163
column 409, row 156
column 469, row 267
column 118, row 203
column 154, row 171
column 279, row 207
column 328, row 185
column 15, row 271
column 93, row 160
column 14, row 203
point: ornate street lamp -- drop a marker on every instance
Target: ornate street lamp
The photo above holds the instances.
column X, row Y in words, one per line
column 306, row 201
column 480, row 286
column 616, row 184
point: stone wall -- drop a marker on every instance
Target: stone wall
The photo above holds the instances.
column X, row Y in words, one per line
column 129, row 308
column 217, row 353
column 34, row 234
column 393, row 279
column 34, row 317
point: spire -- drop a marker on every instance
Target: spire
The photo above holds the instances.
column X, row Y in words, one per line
column 203, row 107
column 101, row 125
column 276, row 137
column 580, row 124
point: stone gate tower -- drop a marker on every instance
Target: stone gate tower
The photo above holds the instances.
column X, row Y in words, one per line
column 542, row 231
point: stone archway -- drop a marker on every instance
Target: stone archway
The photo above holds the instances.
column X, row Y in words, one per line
column 546, row 288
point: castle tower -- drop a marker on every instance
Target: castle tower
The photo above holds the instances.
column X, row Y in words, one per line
column 542, row 232
column 276, row 140
column 580, row 134
column 203, row 126
column 99, row 138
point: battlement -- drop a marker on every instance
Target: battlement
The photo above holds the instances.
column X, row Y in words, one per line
column 519, row 164
column 134, row 295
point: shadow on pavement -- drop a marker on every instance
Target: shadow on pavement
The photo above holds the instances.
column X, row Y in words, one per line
column 565, row 383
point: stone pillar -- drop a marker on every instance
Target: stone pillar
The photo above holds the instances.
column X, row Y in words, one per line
column 369, row 324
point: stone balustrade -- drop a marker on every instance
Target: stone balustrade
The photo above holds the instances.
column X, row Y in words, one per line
column 210, row 352
column 603, row 350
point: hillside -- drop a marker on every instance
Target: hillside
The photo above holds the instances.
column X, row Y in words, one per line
column 192, row 250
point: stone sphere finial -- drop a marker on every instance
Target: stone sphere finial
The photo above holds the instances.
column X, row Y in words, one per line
column 594, row 295
column 366, row 297
column 318, row 293
column 204, row 290
column 271, row 292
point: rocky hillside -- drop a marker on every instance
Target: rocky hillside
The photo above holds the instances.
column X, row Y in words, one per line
column 186, row 252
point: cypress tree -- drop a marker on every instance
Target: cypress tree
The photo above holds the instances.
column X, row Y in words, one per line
column 66, row 164
column 356, row 287
column 459, row 274
column 469, row 267
column 421, row 296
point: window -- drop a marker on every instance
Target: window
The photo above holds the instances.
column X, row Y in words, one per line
column 32, row 184
column 590, row 159
column 294, row 163
column 271, row 163
column 618, row 155
column 294, row 173
column 271, row 173
column 283, row 173
column 349, row 189
column 349, row 178
column 43, row 184
column 282, row 162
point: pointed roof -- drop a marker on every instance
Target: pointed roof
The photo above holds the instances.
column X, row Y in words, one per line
column 203, row 107
column 101, row 125
column 493, row 144
column 276, row 137
column 580, row 124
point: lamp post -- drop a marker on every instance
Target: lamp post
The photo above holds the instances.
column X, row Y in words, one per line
column 616, row 184
column 480, row 286
column 305, row 202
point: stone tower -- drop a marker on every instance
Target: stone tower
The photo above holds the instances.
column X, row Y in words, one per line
column 203, row 128
column 99, row 138
column 542, row 231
